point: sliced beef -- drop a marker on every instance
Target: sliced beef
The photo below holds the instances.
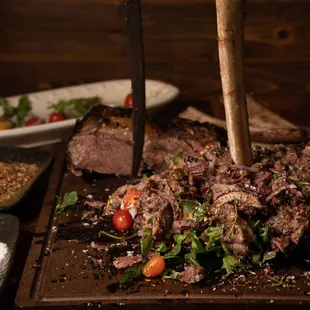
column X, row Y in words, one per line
column 289, row 223
column 192, row 274
column 103, row 142
column 94, row 204
column 268, row 193
column 123, row 262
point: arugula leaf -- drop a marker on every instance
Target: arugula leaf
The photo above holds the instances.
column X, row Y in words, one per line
column 196, row 245
column 176, row 158
column 75, row 107
column 263, row 232
column 178, row 238
column 146, row 241
column 190, row 258
column 213, row 236
column 170, row 274
column 132, row 273
column 122, row 238
column 231, row 263
column 194, row 210
column 226, row 248
column 269, row 256
column 162, row 248
column 69, row 199
column 256, row 257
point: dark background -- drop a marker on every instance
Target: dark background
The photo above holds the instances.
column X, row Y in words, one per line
column 54, row 43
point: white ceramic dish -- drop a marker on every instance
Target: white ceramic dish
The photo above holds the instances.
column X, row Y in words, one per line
column 111, row 93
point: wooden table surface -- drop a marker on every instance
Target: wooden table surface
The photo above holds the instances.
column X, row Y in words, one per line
column 54, row 43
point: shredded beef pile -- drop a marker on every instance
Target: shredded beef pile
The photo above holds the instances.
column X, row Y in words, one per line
column 271, row 197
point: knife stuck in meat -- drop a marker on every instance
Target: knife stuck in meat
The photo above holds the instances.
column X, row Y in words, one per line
column 230, row 26
column 136, row 49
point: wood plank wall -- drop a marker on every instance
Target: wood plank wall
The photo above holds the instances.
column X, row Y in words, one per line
column 52, row 43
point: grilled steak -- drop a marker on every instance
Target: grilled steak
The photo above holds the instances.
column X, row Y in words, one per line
column 103, row 142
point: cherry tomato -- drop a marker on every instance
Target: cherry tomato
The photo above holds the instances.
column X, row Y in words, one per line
column 128, row 101
column 154, row 267
column 33, row 121
column 122, row 220
column 56, row 117
column 131, row 198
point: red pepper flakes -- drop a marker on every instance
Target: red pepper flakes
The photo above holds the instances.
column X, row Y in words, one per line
column 13, row 176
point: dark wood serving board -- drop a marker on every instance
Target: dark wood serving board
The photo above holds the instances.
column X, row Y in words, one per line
column 58, row 272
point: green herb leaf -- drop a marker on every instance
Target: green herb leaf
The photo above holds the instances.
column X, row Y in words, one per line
column 146, row 241
column 162, row 248
column 196, row 245
column 256, row 257
column 69, row 199
column 122, row 238
column 170, row 274
column 24, row 107
column 212, row 236
column 176, row 158
column 75, row 107
column 190, row 258
column 231, row 263
column 193, row 210
column 263, row 232
column 132, row 274
column 269, row 256
column 226, row 249
column 178, row 238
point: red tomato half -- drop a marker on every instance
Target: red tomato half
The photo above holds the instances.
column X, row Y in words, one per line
column 122, row 220
column 56, row 117
column 128, row 101
column 33, row 121
column 154, row 267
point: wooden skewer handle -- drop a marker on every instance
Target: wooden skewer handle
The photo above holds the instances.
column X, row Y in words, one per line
column 230, row 26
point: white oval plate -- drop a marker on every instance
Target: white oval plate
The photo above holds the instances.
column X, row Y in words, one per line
column 111, row 93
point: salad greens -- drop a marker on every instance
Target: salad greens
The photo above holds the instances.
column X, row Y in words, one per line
column 16, row 115
column 75, row 107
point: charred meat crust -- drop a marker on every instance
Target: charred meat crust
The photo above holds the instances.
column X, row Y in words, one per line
column 103, row 139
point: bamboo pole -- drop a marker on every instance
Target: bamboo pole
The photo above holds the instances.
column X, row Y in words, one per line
column 230, row 27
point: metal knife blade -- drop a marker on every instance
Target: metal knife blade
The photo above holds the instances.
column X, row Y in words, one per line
column 136, row 49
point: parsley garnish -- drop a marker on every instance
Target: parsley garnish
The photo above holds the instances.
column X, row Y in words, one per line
column 69, row 199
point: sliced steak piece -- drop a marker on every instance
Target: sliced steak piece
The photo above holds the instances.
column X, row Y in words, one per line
column 123, row 262
column 289, row 223
column 103, row 140
column 192, row 274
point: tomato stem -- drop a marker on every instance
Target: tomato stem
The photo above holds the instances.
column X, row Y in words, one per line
column 102, row 232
